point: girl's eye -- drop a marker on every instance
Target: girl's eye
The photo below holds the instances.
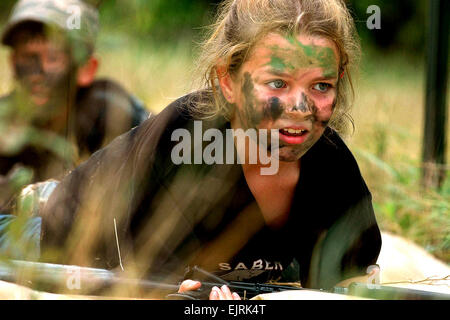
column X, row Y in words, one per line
column 322, row 87
column 277, row 84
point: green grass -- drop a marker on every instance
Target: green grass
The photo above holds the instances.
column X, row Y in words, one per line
column 156, row 74
column 388, row 113
column 389, row 117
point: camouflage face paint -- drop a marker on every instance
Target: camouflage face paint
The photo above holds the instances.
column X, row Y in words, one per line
column 295, row 100
column 278, row 63
column 333, row 106
column 250, row 116
column 249, row 101
column 34, row 67
column 303, row 56
column 31, row 72
column 308, row 104
column 273, row 110
column 314, row 110
column 304, row 106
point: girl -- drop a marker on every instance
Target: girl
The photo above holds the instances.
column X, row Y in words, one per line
column 173, row 193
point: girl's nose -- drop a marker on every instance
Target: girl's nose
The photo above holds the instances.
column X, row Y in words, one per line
column 300, row 103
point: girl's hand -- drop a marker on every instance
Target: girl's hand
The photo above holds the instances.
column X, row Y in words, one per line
column 216, row 293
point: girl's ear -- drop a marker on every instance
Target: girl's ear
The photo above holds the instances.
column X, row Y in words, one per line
column 86, row 73
column 226, row 83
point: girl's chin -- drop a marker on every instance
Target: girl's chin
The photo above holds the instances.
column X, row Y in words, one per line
column 290, row 155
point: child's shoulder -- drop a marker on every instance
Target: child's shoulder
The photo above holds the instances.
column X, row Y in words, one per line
column 331, row 156
column 331, row 144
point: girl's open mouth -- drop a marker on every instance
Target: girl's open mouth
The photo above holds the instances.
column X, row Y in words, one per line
column 293, row 135
column 293, row 132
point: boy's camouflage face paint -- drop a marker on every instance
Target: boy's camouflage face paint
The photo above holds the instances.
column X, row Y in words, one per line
column 34, row 67
column 44, row 73
column 303, row 56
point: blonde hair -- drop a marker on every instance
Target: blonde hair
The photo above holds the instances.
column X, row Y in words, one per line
column 241, row 23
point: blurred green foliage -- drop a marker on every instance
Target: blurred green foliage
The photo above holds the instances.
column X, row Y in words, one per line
column 157, row 19
column 402, row 21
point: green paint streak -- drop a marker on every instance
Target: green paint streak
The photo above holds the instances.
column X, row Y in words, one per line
column 303, row 56
column 277, row 63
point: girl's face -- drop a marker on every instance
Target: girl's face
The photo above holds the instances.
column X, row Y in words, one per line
column 288, row 84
